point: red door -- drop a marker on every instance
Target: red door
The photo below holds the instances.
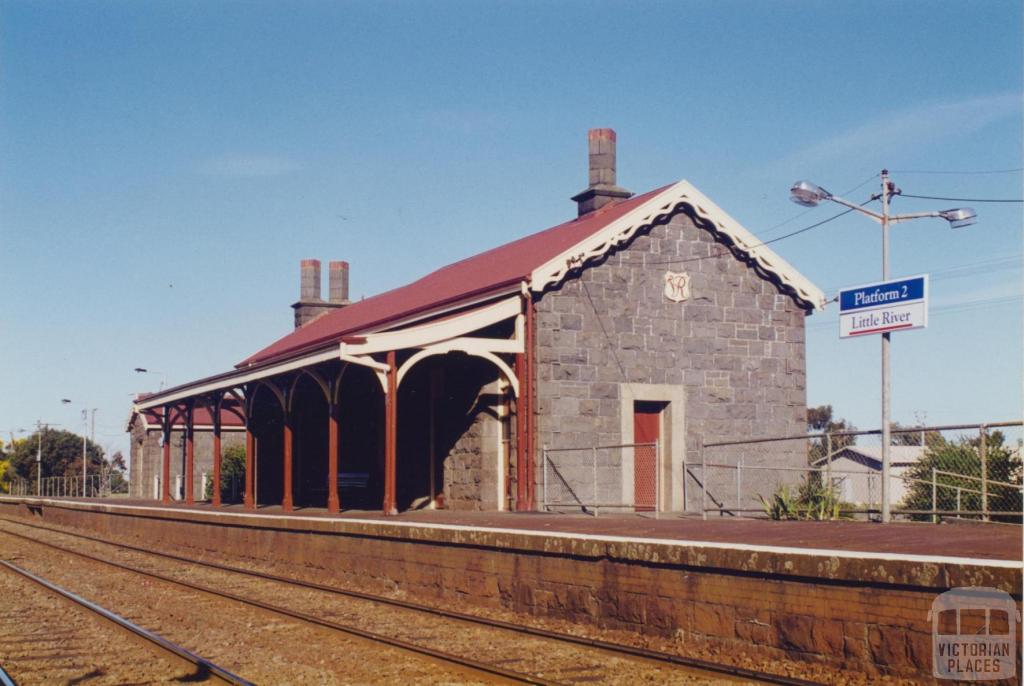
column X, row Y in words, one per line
column 646, row 432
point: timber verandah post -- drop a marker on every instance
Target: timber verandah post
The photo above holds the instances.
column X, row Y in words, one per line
column 190, row 452
column 390, row 435
column 215, row 410
column 524, row 412
column 530, row 334
column 165, row 481
column 333, row 502
column 521, row 450
column 286, row 497
column 249, row 500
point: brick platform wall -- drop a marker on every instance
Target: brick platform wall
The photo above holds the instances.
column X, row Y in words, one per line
column 865, row 615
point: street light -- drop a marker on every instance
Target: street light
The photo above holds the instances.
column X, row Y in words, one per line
column 143, row 370
column 810, row 195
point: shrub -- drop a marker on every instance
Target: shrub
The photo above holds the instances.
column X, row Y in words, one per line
column 813, row 500
column 232, row 468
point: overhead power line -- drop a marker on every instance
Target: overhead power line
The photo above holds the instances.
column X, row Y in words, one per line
column 811, row 209
column 952, row 308
column 967, row 269
column 783, row 237
column 934, row 197
column 1014, row 170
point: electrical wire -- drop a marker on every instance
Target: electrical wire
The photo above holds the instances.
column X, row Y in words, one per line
column 952, row 308
column 1015, row 170
column 756, row 245
column 934, row 197
column 860, row 185
column 607, row 338
column 969, row 269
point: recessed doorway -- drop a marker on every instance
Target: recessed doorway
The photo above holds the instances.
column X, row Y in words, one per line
column 647, row 430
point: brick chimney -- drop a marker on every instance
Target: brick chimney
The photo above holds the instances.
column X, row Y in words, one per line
column 602, row 189
column 337, row 283
column 310, row 305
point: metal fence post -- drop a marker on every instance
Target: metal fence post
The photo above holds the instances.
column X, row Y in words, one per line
column 983, row 453
column 657, row 480
column 739, row 485
column 935, row 491
column 686, row 479
column 544, row 452
column 703, row 483
column 958, row 492
column 828, row 462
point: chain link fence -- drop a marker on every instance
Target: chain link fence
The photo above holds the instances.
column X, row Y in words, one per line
column 618, row 477
column 960, row 471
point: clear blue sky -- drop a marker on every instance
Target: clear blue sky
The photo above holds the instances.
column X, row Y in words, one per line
column 165, row 165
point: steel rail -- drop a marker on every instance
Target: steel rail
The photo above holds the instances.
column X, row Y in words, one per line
column 463, row 663
column 606, row 646
column 204, row 669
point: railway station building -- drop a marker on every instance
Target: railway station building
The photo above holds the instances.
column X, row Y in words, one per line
column 646, row 319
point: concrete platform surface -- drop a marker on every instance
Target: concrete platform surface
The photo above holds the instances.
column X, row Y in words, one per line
column 956, row 540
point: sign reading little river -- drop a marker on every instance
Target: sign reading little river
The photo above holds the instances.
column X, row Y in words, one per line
column 895, row 305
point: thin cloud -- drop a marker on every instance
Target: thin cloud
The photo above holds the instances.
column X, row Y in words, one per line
column 466, row 121
column 248, row 166
column 908, row 129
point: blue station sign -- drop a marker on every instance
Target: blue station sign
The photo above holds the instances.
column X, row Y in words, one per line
column 895, row 305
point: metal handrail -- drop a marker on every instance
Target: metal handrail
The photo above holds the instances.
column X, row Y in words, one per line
column 978, row 478
column 871, row 432
column 602, row 447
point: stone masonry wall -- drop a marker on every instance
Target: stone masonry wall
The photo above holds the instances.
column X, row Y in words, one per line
column 736, row 347
column 471, row 466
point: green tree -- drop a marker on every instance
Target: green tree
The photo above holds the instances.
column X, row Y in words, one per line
column 61, row 455
column 5, row 476
column 961, row 460
column 232, row 467
column 117, row 468
column 916, row 436
column 821, row 419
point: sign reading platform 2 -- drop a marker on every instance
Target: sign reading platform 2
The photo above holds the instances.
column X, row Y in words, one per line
column 887, row 306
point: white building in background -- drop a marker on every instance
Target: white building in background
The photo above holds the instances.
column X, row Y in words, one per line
column 857, row 471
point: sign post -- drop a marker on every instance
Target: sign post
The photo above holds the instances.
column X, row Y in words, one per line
column 881, row 308
column 898, row 305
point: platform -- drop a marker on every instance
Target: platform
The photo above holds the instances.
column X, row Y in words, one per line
column 966, row 541
column 852, row 594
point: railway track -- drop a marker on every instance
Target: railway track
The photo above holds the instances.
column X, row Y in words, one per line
column 489, row 672
column 201, row 668
column 696, row 667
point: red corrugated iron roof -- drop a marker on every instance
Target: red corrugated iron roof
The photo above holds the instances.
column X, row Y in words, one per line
column 478, row 275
